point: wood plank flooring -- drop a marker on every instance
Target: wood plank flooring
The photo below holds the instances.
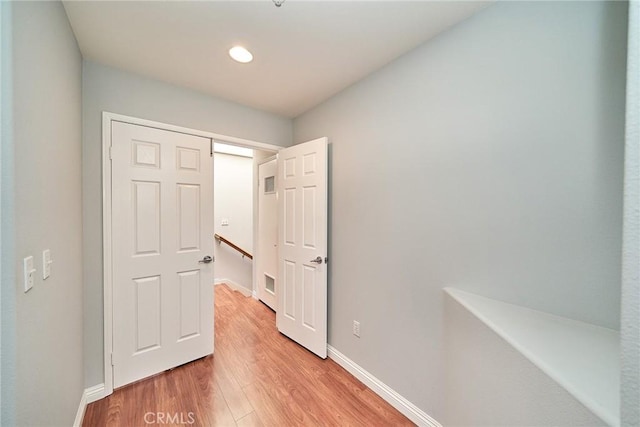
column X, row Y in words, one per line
column 256, row 377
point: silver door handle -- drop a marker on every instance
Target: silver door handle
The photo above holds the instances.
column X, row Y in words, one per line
column 205, row 260
column 318, row 260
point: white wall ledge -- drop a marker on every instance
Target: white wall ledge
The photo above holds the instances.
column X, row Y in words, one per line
column 583, row 358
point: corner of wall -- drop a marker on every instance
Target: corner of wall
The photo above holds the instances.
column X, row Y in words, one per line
column 630, row 316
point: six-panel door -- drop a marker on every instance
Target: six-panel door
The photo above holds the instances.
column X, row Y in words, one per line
column 162, row 223
column 302, row 244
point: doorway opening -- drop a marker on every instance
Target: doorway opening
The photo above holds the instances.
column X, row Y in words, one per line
column 239, row 224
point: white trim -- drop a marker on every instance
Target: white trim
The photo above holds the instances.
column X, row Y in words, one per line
column 254, row 295
column 255, row 192
column 232, row 150
column 229, row 140
column 94, row 393
column 106, row 252
column 107, row 118
column 81, row 408
column 89, row 395
column 407, row 408
column 234, row 286
column 268, row 159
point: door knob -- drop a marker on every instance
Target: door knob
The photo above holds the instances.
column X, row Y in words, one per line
column 206, row 260
column 318, row 260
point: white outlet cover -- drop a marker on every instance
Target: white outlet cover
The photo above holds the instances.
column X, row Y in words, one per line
column 46, row 264
column 29, row 272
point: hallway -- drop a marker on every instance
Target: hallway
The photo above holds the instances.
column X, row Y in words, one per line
column 257, row 377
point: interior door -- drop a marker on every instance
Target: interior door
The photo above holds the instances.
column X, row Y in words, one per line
column 302, row 244
column 267, row 259
column 162, row 217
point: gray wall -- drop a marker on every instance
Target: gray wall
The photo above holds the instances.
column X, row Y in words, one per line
column 489, row 159
column 233, row 189
column 46, row 152
column 108, row 89
column 630, row 324
column 7, row 274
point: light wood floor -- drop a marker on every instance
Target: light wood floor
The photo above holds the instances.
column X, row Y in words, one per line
column 257, row 377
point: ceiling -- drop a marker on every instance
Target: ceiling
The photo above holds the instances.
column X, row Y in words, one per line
column 304, row 52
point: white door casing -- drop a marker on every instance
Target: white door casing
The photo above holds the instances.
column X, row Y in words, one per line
column 302, row 244
column 267, row 259
column 162, row 226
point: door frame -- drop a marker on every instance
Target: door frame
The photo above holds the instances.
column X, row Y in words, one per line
column 107, row 119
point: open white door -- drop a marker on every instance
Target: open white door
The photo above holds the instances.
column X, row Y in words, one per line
column 267, row 259
column 162, row 216
column 302, row 244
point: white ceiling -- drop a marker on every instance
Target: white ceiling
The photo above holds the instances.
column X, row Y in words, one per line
column 304, row 52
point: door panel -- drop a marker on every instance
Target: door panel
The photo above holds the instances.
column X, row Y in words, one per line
column 309, row 233
column 289, row 289
column 289, row 216
column 308, row 297
column 302, row 300
column 147, row 297
column 146, row 208
column 188, row 208
column 189, row 283
column 162, row 221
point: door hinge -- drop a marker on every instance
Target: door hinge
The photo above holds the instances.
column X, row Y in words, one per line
column 110, row 152
column 112, row 360
column 211, row 147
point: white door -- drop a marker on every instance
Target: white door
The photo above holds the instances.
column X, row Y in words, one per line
column 267, row 259
column 302, row 244
column 162, row 221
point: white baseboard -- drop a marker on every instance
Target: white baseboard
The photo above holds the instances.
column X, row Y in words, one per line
column 81, row 408
column 407, row 408
column 254, row 294
column 233, row 285
column 94, row 393
column 89, row 395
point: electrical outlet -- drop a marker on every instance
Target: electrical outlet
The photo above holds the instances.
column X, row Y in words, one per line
column 46, row 264
column 29, row 273
column 356, row 328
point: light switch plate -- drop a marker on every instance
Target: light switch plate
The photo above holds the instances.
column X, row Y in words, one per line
column 224, row 222
column 46, row 264
column 29, row 272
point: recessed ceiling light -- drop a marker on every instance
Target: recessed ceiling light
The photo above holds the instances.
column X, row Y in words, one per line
column 240, row 54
